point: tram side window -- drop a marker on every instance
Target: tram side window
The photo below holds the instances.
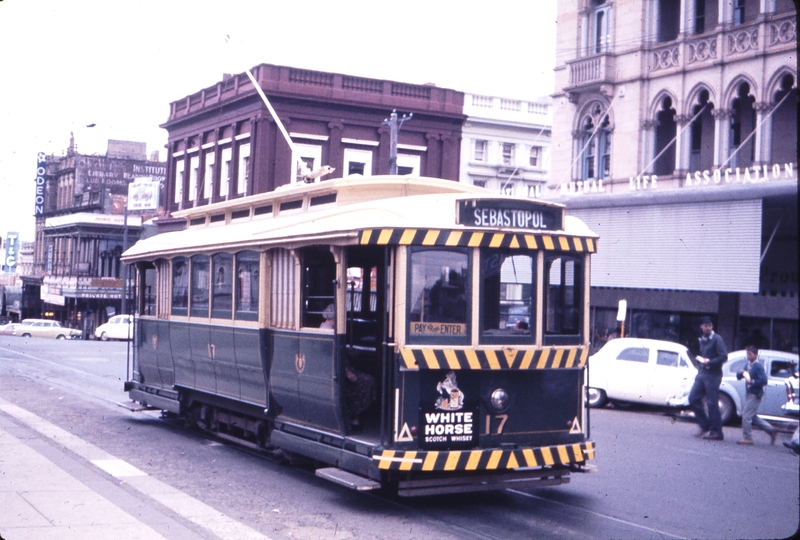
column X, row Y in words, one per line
column 146, row 300
column 319, row 272
column 180, row 286
column 439, row 297
column 199, row 285
column 508, row 285
column 563, row 295
column 283, row 290
column 222, row 290
column 247, row 285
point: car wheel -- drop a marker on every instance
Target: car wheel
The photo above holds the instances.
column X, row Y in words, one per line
column 26, row 335
column 61, row 336
column 726, row 408
column 103, row 337
column 596, row 397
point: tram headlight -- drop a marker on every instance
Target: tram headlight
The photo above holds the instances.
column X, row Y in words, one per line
column 499, row 399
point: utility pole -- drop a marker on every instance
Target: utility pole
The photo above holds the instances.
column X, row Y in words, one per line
column 394, row 127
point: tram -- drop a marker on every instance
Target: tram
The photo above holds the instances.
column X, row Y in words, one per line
column 413, row 334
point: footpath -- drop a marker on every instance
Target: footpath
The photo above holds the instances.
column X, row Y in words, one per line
column 54, row 485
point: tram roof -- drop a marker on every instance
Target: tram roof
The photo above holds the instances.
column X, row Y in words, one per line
column 345, row 212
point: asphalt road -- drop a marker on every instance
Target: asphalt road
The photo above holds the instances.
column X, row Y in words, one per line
column 655, row 480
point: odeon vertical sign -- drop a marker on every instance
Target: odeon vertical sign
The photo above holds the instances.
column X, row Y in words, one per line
column 41, row 167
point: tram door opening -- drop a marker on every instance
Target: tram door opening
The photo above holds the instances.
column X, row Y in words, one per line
column 364, row 301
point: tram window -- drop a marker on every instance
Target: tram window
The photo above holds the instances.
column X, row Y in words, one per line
column 222, row 290
column 147, row 289
column 283, row 290
column 439, row 301
column 508, row 280
column 563, row 295
column 247, row 285
column 180, row 286
column 319, row 272
column 199, row 285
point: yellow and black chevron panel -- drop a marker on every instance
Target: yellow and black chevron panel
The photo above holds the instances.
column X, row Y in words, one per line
column 456, row 238
column 502, row 359
column 483, row 460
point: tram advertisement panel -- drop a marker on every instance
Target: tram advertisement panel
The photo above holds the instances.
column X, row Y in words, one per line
column 448, row 412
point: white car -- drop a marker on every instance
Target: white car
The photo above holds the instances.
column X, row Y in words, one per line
column 638, row 370
column 117, row 327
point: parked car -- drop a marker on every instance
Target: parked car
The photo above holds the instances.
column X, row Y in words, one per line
column 780, row 367
column 45, row 328
column 638, row 370
column 117, row 327
column 8, row 329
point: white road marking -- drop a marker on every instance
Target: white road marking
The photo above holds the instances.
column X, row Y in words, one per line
column 187, row 507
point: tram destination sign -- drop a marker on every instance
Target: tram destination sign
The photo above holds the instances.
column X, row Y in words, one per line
column 510, row 214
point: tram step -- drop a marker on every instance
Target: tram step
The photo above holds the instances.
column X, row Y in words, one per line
column 135, row 407
column 347, row 479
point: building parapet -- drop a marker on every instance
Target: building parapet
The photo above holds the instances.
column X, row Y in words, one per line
column 294, row 82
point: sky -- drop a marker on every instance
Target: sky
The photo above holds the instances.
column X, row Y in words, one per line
column 66, row 65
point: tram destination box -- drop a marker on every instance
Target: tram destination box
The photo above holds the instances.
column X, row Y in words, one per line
column 511, row 214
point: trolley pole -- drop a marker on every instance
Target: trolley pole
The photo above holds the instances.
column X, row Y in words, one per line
column 394, row 124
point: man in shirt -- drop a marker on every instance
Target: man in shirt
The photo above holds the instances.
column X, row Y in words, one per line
column 755, row 378
column 706, row 385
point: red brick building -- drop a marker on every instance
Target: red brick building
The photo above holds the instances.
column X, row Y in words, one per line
column 224, row 143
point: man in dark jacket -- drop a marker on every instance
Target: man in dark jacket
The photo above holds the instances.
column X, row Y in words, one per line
column 755, row 378
column 706, row 385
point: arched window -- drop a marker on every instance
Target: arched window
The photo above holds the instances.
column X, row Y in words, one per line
column 596, row 145
column 702, row 134
column 666, row 130
column 743, row 121
column 784, row 122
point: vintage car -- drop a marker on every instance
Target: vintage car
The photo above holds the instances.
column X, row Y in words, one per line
column 117, row 327
column 636, row 370
column 45, row 328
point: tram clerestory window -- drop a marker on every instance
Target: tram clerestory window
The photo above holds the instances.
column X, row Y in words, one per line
column 563, row 295
column 247, row 282
column 439, row 289
column 199, row 285
column 508, row 284
column 222, row 286
column 180, row 286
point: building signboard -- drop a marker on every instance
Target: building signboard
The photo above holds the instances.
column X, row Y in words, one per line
column 143, row 194
column 99, row 170
column 12, row 250
column 41, row 169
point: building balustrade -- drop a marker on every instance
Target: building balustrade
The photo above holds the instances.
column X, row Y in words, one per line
column 726, row 41
column 591, row 71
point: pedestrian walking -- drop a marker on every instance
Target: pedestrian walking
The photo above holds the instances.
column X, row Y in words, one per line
column 755, row 378
column 706, row 384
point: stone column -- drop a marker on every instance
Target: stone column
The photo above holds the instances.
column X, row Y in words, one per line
column 763, row 137
column 648, row 146
column 722, row 134
column 682, row 144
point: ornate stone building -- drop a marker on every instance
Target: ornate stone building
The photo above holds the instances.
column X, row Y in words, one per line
column 675, row 138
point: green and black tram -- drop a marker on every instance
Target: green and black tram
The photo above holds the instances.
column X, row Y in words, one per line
column 409, row 333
